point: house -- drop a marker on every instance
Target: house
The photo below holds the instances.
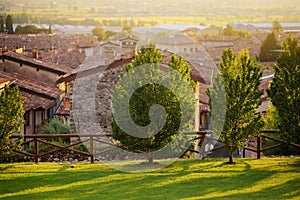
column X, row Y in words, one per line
column 177, row 43
column 128, row 47
column 41, row 100
column 30, row 66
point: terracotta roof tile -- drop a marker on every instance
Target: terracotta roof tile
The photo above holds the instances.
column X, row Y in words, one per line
column 34, row 101
column 33, row 85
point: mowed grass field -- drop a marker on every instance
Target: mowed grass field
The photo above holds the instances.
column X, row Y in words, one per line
column 268, row 178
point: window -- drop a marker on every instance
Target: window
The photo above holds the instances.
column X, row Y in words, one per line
column 27, row 118
column 50, row 113
column 43, row 115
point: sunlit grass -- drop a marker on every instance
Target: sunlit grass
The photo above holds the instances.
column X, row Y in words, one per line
column 273, row 178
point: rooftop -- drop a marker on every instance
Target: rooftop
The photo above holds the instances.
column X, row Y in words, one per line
column 32, row 85
column 29, row 60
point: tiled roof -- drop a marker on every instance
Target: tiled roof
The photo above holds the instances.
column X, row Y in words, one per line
column 30, row 61
column 62, row 109
column 33, row 85
column 4, row 80
column 174, row 40
column 34, row 101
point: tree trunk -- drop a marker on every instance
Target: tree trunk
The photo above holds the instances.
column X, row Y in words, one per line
column 230, row 158
column 150, row 158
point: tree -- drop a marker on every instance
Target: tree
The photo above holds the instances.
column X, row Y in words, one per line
column 99, row 32
column 145, row 98
column 270, row 43
column 285, row 91
column 56, row 127
column 240, row 77
column 50, row 29
column 9, row 24
column 126, row 28
column 110, row 34
column 276, row 27
column 230, row 31
column 11, row 119
column 1, row 24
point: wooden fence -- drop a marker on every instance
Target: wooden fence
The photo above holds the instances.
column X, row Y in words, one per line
column 202, row 136
column 35, row 139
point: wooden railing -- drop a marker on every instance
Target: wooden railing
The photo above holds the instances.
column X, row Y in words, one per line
column 201, row 136
column 38, row 138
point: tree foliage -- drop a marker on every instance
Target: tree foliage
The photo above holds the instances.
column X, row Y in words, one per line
column 30, row 29
column 1, row 24
column 270, row 43
column 100, row 33
column 276, row 27
column 285, row 91
column 144, row 98
column 56, row 127
column 11, row 119
column 272, row 120
column 9, row 24
column 241, row 81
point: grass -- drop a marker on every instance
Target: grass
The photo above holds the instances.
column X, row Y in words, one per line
column 268, row 178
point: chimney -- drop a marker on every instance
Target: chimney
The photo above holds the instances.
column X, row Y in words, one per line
column 35, row 53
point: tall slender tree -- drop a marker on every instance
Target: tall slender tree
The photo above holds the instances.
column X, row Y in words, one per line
column 1, row 24
column 241, row 81
column 270, row 44
column 285, row 90
column 11, row 119
column 9, row 24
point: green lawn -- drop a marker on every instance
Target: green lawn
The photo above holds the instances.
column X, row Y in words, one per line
column 269, row 178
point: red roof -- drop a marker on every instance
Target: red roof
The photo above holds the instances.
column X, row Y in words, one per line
column 34, row 101
column 33, row 85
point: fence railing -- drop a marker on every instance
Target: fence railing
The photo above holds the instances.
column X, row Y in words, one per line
column 258, row 148
column 201, row 136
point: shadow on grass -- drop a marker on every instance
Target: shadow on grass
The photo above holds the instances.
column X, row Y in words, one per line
column 191, row 179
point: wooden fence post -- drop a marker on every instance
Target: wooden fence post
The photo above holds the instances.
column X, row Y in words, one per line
column 92, row 149
column 36, row 150
column 258, row 147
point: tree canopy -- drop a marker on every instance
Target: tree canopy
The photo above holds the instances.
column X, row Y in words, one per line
column 285, row 91
column 270, row 44
column 240, row 77
column 9, row 24
column 1, row 24
column 11, row 119
column 155, row 129
column 100, row 33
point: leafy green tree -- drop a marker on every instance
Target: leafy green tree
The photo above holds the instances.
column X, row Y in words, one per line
column 144, row 98
column 270, row 43
column 11, row 119
column 285, row 91
column 240, row 77
column 272, row 120
column 276, row 27
column 126, row 28
column 1, row 24
column 9, row 24
column 56, row 127
column 100, row 33
column 230, row 31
